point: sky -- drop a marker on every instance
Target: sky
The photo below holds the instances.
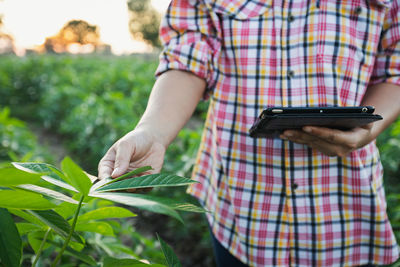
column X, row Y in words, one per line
column 31, row 21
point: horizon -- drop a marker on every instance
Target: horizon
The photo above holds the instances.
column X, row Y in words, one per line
column 45, row 18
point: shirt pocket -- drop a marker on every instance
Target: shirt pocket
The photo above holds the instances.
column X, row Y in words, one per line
column 240, row 9
column 348, row 33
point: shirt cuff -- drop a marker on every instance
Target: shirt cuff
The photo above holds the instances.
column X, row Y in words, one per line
column 196, row 57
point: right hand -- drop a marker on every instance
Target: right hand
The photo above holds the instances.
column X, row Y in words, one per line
column 136, row 149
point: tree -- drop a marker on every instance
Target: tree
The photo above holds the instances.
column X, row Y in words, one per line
column 74, row 32
column 6, row 40
column 144, row 21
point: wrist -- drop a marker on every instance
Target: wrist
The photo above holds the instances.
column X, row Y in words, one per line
column 153, row 132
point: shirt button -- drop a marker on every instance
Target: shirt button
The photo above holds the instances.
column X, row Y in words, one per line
column 358, row 10
column 291, row 18
column 290, row 74
column 294, row 186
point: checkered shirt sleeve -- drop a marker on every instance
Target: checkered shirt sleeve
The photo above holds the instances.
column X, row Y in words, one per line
column 387, row 62
column 189, row 40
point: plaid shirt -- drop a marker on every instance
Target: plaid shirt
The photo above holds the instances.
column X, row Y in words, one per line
column 275, row 202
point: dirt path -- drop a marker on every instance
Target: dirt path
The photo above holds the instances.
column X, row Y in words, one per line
column 53, row 142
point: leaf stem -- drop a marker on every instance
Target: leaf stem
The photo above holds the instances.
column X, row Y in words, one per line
column 70, row 233
column 41, row 247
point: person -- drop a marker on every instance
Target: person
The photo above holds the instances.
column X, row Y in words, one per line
column 313, row 197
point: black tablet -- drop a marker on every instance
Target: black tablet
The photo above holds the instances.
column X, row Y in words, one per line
column 274, row 120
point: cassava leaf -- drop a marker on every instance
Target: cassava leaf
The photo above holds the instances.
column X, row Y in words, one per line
column 106, row 213
column 170, row 256
column 76, row 176
column 12, row 176
column 102, row 228
column 48, row 192
column 174, row 204
column 141, row 202
column 48, row 172
column 33, row 167
column 50, row 179
column 22, row 199
column 131, row 174
column 112, row 262
column 24, row 228
column 56, row 222
column 152, row 180
column 79, row 255
column 35, row 239
column 10, row 241
column 27, row 217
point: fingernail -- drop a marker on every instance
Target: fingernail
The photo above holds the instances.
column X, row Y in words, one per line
column 307, row 129
column 114, row 172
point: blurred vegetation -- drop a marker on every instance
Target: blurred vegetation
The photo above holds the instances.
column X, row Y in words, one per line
column 74, row 32
column 88, row 102
column 6, row 40
column 144, row 21
column 91, row 101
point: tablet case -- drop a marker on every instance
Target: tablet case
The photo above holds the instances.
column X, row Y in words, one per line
column 272, row 125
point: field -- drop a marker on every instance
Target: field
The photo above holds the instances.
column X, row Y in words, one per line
column 57, row 105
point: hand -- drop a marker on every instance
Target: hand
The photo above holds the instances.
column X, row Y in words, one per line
column 136, row 149
column 331, row 142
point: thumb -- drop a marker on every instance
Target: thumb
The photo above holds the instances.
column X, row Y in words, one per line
column 122, row 159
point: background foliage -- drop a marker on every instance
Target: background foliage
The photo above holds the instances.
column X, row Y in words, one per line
column 88, row 102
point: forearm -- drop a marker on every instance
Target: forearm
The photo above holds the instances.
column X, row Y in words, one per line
column 385, row 97
column 172, row 101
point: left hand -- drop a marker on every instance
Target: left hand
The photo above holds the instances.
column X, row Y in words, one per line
column 331, row 142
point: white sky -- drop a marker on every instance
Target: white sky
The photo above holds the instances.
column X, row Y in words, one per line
column 31, row 21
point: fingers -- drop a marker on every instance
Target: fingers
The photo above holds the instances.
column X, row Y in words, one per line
column 116, row 161
column 334, row 136
column 123, row 156
column 330, row 142
column 106, row 164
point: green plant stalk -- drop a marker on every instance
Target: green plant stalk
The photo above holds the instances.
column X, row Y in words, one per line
column 41, row 247
column 70, row 233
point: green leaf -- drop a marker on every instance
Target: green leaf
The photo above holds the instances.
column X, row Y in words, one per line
column 24, row 228
column 102, row 228
column 56, row 222
column 35, row 239
column 10, row 241
column 106, row 213
column 33, row 167
column 152, row 180
column 141, row 202
column 79, row 255
column 175, row 204
column 50, row 179
column 112, row 262
column 27, row 217
column 131, row 174
column 76, row 246
column 187, row 207
column 76, row 176
column 48, row 192
column 49, row 173
column 21, row 199
column 66, row 210
column 170, row 256
column 12, row 176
